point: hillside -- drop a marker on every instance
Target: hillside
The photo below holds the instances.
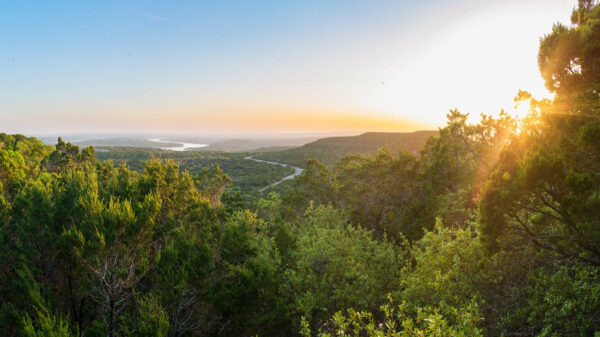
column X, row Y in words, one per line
column 330, row 150
column 247, row 176
column 245, row 144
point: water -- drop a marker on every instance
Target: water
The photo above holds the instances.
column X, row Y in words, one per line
column 182, row 147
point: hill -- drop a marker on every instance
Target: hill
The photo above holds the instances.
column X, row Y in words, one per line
column 248, row 176
column 332, row 149
column 258, row 144
column 214, row 142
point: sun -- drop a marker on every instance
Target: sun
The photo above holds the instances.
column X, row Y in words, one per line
column 520, row 110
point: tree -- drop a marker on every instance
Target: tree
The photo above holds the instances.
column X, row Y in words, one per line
column 380, row 192
column 182, row 282
column 12, row 172
column 399, row 321
column 544, row 187
column 565, row 302
column 569, row 57
column 247, row 295
column 212, row 184
column 315, row 185
column 339, row 266
column 150, row 319
column 67, row 155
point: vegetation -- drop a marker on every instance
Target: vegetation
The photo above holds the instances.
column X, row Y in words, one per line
column 491, row 229
column 331, row 150
column 247, row 176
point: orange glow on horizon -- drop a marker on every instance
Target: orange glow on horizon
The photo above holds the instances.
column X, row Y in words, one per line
column 278, row 120
column 383, row 75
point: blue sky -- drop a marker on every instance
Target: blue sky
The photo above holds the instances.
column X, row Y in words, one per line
column 263, row 66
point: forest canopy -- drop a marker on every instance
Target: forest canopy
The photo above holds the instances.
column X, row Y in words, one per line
column 492, row 229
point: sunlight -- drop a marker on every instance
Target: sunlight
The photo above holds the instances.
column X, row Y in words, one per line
column 520, row 112
column 300, row 168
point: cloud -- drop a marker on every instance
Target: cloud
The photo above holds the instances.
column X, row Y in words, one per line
column 152, row 17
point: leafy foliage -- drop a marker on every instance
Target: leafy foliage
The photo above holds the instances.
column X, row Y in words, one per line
column 399, row 321
column 491, row 229
column 339, row 266
column 330, row 150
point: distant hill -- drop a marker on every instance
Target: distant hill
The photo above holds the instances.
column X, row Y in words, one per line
column 121, row 142
column 222, row 143
column 332, row 149
column 258, row 145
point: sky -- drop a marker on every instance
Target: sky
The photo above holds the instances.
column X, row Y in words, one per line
column 264, row 66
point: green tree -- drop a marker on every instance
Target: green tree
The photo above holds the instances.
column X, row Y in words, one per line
column 314, row 185
column 380, row 192
column 565, row 302
column 182, row 283
column 425, row 322
column 247, row 296
column 569, row 57
column 339, row 266
column 150, row 319
column 67, row 155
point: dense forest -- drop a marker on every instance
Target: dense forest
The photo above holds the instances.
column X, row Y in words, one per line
column 491, row 229
column 332, row 149
column 248, row 177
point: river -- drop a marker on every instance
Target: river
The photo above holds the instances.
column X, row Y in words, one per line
column 182, row 147
column 297, row 171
